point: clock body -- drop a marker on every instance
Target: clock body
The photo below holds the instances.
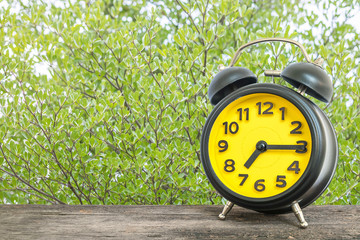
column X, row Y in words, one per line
column 265, row 146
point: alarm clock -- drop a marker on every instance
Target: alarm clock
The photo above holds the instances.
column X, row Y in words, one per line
column 267, row 147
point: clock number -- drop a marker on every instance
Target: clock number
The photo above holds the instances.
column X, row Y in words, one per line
column 266, row 111
column 259, row 105
column 244, row 176
column 294, row 167
column 282, row 113
column 281, row 179
column 223, row 145
column 296, row 129
column 246, row 113
column 229, row 165
column 233, row 127
column 303, row 150
column 226, row 127
column 259, row 186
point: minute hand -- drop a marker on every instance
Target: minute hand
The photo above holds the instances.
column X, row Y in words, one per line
column 299, row 148
column 285, row 147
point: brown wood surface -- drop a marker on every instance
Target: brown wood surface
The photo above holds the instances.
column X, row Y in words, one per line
column 172, row 222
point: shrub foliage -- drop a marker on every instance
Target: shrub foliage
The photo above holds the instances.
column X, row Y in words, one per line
column 103, row 102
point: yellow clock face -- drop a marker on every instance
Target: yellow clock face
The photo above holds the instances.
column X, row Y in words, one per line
column 260, row 145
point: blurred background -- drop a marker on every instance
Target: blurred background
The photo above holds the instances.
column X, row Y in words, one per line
column 103, row 102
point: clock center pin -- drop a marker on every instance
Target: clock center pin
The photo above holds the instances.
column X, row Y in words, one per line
column 261, row 146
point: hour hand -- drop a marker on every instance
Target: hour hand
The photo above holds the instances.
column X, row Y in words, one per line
column 260, row 147
column 252, row 158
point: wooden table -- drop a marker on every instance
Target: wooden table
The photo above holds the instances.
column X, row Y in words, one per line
column 173, row 222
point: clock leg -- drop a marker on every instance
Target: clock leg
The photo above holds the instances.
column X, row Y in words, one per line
column 299, row 215
column 228, row 206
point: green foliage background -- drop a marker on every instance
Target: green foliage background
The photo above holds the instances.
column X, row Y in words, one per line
column 117, row 117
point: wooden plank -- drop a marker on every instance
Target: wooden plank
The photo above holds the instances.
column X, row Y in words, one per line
column 172, row 222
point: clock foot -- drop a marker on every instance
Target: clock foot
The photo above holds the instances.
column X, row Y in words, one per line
column 299, row 215
column 228, row 206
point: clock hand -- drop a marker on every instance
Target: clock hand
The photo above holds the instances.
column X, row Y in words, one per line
column 262, row 146
column 300, row 148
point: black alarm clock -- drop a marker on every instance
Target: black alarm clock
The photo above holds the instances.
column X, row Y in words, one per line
column 267, row 147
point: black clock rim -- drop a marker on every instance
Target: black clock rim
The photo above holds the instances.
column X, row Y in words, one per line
column 286, row 198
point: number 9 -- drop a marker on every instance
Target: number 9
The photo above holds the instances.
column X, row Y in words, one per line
column 223, row 145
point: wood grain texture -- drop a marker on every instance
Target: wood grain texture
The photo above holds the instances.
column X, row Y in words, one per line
column 172, row 222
